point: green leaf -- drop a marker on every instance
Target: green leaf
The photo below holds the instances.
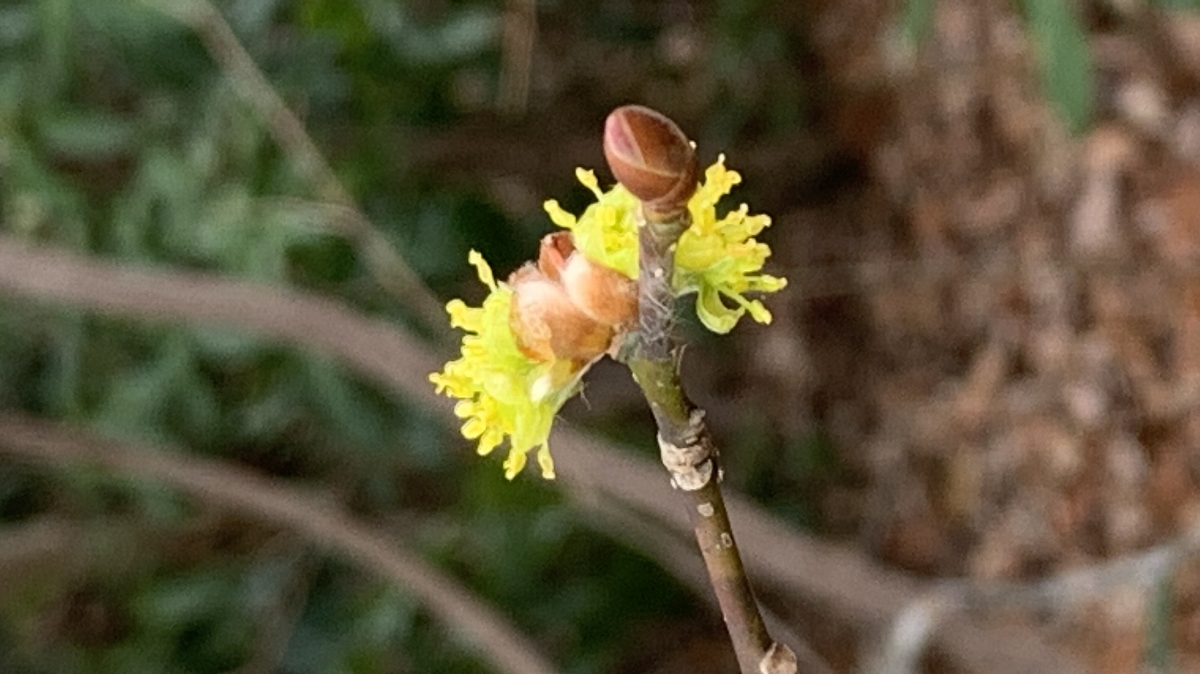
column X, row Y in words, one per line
column 918, row 19
column 1183, row 5
column 340, row 404
column 1067, row 76
column 1158, row 653
column 17, row 24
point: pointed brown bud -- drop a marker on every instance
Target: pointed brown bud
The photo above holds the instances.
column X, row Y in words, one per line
column 650, row 156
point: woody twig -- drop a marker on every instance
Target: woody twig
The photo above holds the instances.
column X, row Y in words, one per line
column 653, row 159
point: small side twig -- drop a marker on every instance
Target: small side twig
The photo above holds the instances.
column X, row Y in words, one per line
column 690, row 456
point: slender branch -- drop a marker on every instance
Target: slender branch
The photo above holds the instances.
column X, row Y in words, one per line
column 59, row 548
column 656, row 163
column 271, row 501
column 677, row 555
column 688, row 451
column 372, row 346
column 842, row 583
column 253, row 87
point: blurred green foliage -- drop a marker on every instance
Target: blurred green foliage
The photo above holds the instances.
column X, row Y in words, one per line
column 1064, row 60
column 119, row 138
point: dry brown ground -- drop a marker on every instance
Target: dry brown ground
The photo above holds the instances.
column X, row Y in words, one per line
column 1001, row 327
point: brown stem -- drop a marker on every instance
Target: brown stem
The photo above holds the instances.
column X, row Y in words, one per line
column 688, row 451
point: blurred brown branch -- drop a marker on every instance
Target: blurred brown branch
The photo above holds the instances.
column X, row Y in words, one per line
column 833, row 581
column 918, row 622
column 270, row 501
column 520, row 34
column 55, row 548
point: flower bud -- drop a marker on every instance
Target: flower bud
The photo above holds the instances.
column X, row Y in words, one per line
column 650, row 156
column 567, row 306
column 602, row 293
column 548, row 325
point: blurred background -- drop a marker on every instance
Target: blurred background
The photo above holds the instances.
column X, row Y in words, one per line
column 227, row 229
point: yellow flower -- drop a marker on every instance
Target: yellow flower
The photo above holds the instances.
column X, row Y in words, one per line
column 509, row 393
column 716, row 258
column 607, row 231
column 502, row 392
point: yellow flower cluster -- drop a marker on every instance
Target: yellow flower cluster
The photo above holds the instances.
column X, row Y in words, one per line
column 716, row 258
column 503, row 393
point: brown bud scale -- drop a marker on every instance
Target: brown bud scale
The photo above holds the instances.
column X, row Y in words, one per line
column 567, row 306
column 651, row 157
